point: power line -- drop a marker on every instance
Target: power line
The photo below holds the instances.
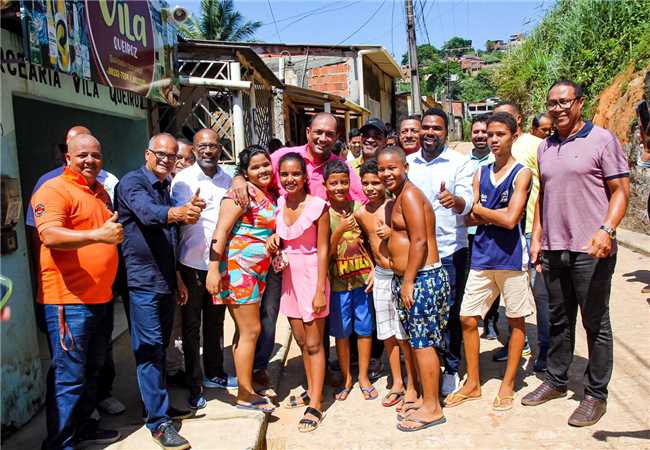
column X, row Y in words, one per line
column 392, row 27
column 305, row 16
column 364, row 23
column 277, row 31
column 284, row 19
column 424, row 21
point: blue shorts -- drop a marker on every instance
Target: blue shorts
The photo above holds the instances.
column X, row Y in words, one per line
column 350, row 310
column 426, row 321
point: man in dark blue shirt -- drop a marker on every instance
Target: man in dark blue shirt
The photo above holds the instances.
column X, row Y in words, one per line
column 149, row 250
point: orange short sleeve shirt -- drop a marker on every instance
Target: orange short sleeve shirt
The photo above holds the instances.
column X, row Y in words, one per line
column 83, row 275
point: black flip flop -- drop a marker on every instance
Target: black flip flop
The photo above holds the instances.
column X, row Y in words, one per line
column 311, row 423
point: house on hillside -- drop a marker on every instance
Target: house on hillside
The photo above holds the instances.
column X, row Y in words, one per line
column 471, row 64
column 352, row 81
column 516, row 39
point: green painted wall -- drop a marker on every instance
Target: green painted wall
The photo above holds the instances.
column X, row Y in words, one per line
column 36, row 108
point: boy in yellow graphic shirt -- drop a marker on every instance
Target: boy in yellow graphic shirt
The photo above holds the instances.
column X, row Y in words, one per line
column 350, row 278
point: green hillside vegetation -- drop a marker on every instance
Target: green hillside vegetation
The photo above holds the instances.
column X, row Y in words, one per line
column 433, row 72
column 588, row 41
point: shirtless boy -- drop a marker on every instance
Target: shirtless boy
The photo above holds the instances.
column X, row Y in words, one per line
column 372, row 218
column 420, row 284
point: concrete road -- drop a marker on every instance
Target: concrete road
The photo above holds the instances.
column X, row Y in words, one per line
column 359, row 424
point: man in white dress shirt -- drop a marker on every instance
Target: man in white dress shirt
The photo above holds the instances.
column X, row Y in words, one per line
column 206, row 179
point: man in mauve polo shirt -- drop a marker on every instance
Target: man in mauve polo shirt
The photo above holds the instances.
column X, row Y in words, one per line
column 584, row 191
column 321, row 137
column 78, row 264
column 143, row 201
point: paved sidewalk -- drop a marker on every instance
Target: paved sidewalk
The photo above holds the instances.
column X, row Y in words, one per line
column 359, row 424
column 219, row 426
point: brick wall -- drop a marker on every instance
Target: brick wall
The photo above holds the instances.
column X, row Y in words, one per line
column 332, row 79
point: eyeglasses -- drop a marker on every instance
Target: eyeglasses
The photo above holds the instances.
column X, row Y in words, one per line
column 161, row 156
column 204, row 147
column 562, row 104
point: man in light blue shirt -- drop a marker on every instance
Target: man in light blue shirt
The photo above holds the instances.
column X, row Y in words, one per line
column 445, row 177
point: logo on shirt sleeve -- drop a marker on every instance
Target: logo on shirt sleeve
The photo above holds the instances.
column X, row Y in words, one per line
column 39, row 210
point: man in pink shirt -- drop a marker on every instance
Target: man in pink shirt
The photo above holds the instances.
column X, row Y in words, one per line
column 321, row 137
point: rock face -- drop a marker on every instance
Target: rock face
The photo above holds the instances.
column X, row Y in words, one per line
column 616, row 111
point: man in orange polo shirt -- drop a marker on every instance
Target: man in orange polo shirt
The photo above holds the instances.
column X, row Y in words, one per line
column 78, row 264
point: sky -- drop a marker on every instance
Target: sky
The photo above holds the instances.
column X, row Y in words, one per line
column 342, row 22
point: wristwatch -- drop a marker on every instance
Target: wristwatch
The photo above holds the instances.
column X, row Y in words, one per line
column 609, row 230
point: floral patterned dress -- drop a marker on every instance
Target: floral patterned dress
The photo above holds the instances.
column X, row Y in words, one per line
column 245, row 261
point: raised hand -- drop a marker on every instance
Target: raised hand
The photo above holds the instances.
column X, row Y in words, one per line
column 383, row 230
column 111, row 232
column 446, row 198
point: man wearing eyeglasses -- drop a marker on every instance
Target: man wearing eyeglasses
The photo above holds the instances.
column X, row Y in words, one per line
column 149, row 251
column 210, row 180
column 584, row 191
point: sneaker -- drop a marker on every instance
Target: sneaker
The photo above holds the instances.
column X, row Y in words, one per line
column 450, row 383
column 179, row 414
column 225, row 382
column 198, row 402
column 112, row 406
column 168, row 438
column 97, row 436
column 375, row 369
column 491, row 332
column 526, row 351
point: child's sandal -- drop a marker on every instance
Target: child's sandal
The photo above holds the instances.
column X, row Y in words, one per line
column 306, row 425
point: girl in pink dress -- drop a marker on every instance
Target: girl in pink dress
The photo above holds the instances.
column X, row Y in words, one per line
column 302, row 224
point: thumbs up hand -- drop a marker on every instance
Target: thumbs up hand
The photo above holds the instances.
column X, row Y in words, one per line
column 196, row 200
column 446, row 198
column 382, row 230
column 111, row 232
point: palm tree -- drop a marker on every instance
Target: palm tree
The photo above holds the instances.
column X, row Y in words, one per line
column 219, row 21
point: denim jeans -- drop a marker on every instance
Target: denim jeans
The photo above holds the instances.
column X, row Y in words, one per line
column 151, row 316
column 78, row 351
column 269, row 309
column 199, row 308
column 456, row 266
column 576, row 280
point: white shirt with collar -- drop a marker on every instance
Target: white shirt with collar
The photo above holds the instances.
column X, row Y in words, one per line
column 194, row 240
column 457, row 171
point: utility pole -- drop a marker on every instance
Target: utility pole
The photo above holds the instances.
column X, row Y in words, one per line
column 413, row 59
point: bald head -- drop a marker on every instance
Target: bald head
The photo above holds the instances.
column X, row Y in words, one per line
column 76, row 131
column 162, row 139
column 83, row 141
column 208, row 150
column 205, row 132
column 85, row 157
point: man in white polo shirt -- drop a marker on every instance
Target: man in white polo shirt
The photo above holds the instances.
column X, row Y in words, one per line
column 206, row 179
column 445, row 177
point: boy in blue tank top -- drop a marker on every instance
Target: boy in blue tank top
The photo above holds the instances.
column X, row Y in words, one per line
column 499, row 262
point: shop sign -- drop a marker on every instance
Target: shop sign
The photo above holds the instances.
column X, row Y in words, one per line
column 126, row 44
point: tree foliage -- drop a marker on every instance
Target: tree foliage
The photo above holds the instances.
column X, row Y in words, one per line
column 457, row 46
column 587, row 41
column 219, row 21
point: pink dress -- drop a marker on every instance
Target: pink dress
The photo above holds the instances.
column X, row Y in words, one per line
column 300, row 278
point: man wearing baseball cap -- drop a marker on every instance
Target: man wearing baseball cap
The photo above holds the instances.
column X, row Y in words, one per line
column 373, row 139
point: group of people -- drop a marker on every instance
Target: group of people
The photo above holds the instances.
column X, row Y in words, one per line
column 410, row 244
